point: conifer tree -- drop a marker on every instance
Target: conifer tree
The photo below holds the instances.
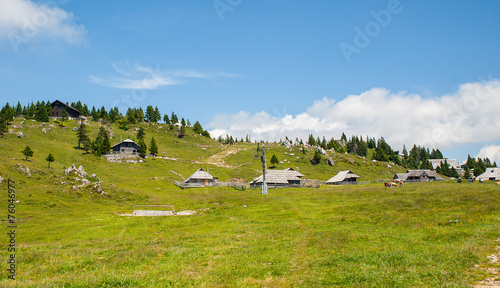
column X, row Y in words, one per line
column 82, row 133
column 274, row 160
column 50, row 158
column 3, row 126
column 27, row 152
column 41, row 114
column 142, row 147
column 166, row 119
column 141, row 134
column 153, row 148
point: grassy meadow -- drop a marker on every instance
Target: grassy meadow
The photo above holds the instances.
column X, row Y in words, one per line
column 419, row 235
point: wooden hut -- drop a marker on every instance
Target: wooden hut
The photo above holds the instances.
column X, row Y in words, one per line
column 343, row 178
column 58, row 107
column 279, row 178
column 492, row 174
column 418, row 176
column 127, row 146
column 200, row 178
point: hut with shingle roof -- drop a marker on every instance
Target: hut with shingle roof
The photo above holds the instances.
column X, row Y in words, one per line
column 343, row 178
column 492, row 174
column 418, row 176
column 127, row 146
column 200, row 178
column 279, row 178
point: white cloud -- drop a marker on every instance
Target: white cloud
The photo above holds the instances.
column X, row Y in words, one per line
column 470, row 115
column 22, row 21
column 142, row 77
column 490, row 151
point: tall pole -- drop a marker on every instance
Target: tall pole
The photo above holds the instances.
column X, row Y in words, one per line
column 264, row 184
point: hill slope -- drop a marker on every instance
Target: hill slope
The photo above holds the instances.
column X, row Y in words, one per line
column 364, row 235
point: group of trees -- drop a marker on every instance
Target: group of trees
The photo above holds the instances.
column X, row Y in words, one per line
column 27, row 152
column 478, row 165
column 153, row 147
column 418, row 158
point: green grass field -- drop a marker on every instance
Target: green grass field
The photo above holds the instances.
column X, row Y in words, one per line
column 419, row 235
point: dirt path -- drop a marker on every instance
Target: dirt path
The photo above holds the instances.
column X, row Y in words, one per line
column 494, row 273
column 219, row 159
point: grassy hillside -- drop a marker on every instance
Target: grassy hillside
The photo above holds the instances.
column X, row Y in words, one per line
column 364, row 235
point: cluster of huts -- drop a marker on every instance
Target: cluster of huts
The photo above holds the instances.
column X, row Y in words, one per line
column 287, row 177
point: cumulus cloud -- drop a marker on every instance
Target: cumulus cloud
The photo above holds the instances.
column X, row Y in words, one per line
column 22, row 21
column 470, row 115
column 145, row 77
column 490, row 151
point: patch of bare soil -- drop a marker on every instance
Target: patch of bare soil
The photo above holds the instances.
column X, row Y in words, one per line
column 219, row 159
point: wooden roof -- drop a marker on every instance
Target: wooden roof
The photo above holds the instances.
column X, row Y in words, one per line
column 200, row 174
column 279, row 176
column 341, row 176
column 490, row 173
column 418, row 174
column 60, row 103
column 125, row 141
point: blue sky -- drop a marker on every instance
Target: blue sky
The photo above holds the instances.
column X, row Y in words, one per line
column 421, row 72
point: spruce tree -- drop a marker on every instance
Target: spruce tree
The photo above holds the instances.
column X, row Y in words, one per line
column 82, row 134
column 274, row 160
column 141, row 134
column 50, row 158
column 3, row 126
column 27, row 152
column 166, row 119
column 41, row 114
column 142, row 148
column 153, row 148
column 87, row 145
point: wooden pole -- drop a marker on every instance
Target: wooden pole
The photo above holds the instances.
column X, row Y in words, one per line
column 264, row 184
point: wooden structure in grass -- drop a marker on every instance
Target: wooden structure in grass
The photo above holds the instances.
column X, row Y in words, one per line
column 343, row 178
column 58, row 106
column 127, row 146
column 200, row 178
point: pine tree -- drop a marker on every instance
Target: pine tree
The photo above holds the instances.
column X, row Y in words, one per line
column 82, row 134
column 27, row 152
column 142, row 147
column 87, row 145
column 19, row 109
column 105, row 144
column 174, row 120
column 274, row 160
column 197, row 127
column 7, row 112
column 3, row 126
column 157, row 115
column 183, row 122
column 317, row 157
column 50, row 158
column 311, row 141
column 150, row 114
column 141, row 134
column 166, row 120
column 42, row 115
column 153, row 148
